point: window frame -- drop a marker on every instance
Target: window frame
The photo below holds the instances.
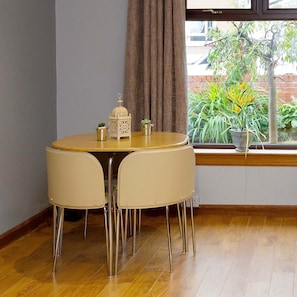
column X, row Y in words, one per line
column 259, row 11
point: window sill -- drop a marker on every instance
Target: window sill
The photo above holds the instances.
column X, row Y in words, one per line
column 229, row 157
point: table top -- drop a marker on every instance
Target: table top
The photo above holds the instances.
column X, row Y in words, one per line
column 89, row 143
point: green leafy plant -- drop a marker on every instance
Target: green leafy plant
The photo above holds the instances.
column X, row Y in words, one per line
column 101, row 124
column 242, row 98
column 241, row 113
column 214, row 111
column 145, row 121
column 287, row 121
column 288, row 115
column 206, row 123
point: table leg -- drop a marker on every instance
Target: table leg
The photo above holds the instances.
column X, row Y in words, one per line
column 110, row 224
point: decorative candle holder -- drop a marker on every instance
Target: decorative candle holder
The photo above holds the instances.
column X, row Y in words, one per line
column 119, row 121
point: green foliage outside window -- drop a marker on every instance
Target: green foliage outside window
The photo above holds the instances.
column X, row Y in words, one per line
column 208, row 121
column 211, row 114
column 287, row 122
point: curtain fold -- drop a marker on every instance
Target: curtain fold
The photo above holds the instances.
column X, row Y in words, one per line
column 155, row 69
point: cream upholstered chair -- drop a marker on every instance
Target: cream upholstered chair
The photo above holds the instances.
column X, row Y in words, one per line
column 156, row 178
column 75, row 181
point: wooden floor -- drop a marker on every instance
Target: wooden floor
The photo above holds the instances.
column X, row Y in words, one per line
column 248, row 256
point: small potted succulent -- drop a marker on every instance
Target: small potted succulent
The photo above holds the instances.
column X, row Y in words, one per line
column 101, row 132
column 146, row 127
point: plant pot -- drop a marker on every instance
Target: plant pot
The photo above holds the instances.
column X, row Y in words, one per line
column 101, row 133
column 146, row 129
column 241, row 139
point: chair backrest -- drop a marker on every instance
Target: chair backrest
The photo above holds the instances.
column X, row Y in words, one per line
column 75, row 179
column 156, row 177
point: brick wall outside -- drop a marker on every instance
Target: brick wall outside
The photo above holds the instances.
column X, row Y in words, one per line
column 286, row 85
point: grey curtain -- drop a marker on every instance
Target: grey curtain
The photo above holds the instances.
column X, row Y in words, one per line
column 155, row 69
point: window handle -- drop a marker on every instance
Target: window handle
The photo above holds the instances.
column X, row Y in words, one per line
column 212, row 11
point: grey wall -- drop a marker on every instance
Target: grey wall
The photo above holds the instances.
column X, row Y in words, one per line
column 83, row 42
column 90, row 62
column 27, row 106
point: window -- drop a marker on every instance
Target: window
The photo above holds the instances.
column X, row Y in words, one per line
column 204, row 72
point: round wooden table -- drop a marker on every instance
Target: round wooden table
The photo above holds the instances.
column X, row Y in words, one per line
column 89, row 143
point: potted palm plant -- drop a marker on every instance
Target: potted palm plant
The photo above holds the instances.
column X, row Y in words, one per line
column 241, row 116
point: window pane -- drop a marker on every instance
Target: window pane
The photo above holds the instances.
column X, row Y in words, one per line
column 235, row 65
column 276, row 4
column 197, row 32
column 218, row 4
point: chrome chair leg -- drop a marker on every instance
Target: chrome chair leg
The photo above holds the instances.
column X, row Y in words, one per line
column 126, row 227
column 59, row 237
column 193, row 226
column 134, row 231
column 179, row 219
column 169, row 237
column 123, row 232
column 182, row 227
column 55, row 217
column 130, row 222
column 185, row 225
column 106, row 235
column 60, row 242
column 114, row 209
column 139, row 221
column 117, row 243
column 86, row 224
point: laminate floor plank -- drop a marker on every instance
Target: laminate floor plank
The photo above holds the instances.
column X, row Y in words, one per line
column 237, row 256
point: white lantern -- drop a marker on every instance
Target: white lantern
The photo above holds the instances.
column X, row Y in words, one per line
column 119, row 121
